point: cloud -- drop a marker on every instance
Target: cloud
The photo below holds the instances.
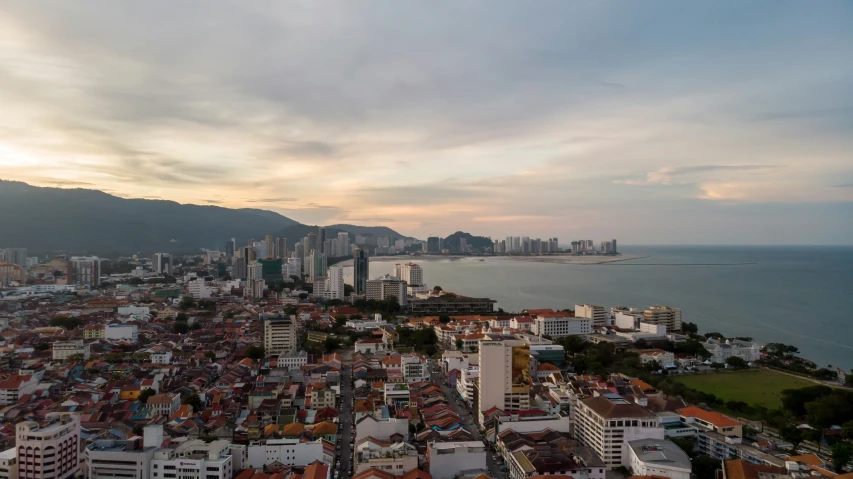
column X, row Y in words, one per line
column 688, row 174
column 426, row 116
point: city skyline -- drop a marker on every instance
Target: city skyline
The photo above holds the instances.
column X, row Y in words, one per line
column 606, row 118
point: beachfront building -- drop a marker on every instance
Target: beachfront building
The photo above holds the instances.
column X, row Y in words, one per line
column 732, row 348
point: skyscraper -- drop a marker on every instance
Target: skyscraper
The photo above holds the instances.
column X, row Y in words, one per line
column 321, row 239
column 360, row 273
column 343, row 244
column 16, row 256
column 299, row 251
column 86, row 270
column 335, row 283
column 270, row 247
column 411, row 273
column 310, row 243
column 162, row 263
column 281, row 248
column 230, row 247
column 316, row 265
column 504, row 376
column 248, row 254
column 433, row 244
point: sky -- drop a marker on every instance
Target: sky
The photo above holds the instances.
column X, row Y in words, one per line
column 701, row 122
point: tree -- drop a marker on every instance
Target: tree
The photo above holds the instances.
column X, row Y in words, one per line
column 330, row 344
column 574, row 344
column 196, row 326
column 690, row 328
column 736, row 363
column 848, row 380
column 348, row 289
column 718, row 366
column 181, row 317
column 813, row 435
column 715, row 335
column 437, row 288
column 66, row 322
column 255, row 352
column 705, row 467
column 459, row 344
column 444, row 319
column 792, row 434
column 180, row 327
column 193, row 400
column 686, row 444
column 355, row 317
column 144, row 395
column 340, row 320
column 847, row 430
column 186, row 303
column 210, row 355
column 842, row 452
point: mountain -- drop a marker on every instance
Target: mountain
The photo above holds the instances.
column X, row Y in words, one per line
column 47, row 220
column 476, row 242
column 369, row 231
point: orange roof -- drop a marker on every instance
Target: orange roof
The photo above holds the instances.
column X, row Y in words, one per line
column 644, row 386
column 325, row 427
column 293, row 429
column 740, row 469
column 317, row 470
column 547, row 367
column 712, row 417
column 810, row 459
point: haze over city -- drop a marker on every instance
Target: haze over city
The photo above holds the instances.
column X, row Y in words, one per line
column 719, row 122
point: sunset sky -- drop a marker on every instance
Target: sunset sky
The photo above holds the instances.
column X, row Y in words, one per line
column 651, row 122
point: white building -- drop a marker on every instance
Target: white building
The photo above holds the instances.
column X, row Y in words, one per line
column 15, row 386
column 286, row 451
column 62, row 350
column 465, row 384
column 720, row 351
column 655, row 457
column 9, row 464
column 86, row 270
column 559, row 326
column 415, row 368
column 521, row 323
column 505, row 379
column 198, row 289
column 627, row 318
column 279, row 336
column 366, row 324
column 335, row 283
column 293, row 360
column 382, row 428
column 194, row 459
column 40, row 445
column 141, row 311
column 665, row 315
column 411, row 273
column 121, row 332
column 164, row 404
column 449, row 459
column 111, row 458
column 608, row 422
column 373, row 346
column 387, row 286
column 397, row 458
column 665, row 358
column 162, row 357
column 597, row 314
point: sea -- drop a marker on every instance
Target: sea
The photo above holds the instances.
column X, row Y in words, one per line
column 794, row 295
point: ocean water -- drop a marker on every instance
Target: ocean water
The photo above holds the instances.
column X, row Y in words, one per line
column 795, row 295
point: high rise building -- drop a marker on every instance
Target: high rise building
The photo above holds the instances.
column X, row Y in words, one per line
column 270, row 247
column 240, row 270
column 387, row 286
column 125, row 458
column 335, row 283
column 281, row 248
column 299, row 251
column 330, row 247
column 361, row 264
column 310, row 243
column 598, row 315
column 260, row 248
column 16, row 256
column 316, row 265
column 343, row 244
column 50, row 450
column 254, row 271
column 434, row 245
column 162, row 263
column 279, row 335
column 664, row 315
column 86, row 270
column 505, row 380
column 321, row 239
column 606, row 424
column 411, row 273
column 248, row 254
column 613, row 244
column 230, row 247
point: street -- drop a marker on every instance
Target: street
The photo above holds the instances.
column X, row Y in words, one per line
column 436, row 376
column 345, row 418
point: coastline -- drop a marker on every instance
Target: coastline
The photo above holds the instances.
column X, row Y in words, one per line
column 552, row 259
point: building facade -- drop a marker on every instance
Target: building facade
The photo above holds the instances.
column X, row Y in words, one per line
column 387, row 286
column 505, row 379
column 50, row 450
column 665, row 315
column 279, row 336
column 597, row 314
column 360, row 272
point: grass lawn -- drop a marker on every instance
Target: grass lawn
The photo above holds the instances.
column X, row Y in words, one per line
column 757, row 387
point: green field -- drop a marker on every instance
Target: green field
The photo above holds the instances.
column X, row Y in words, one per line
column 759, row 387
